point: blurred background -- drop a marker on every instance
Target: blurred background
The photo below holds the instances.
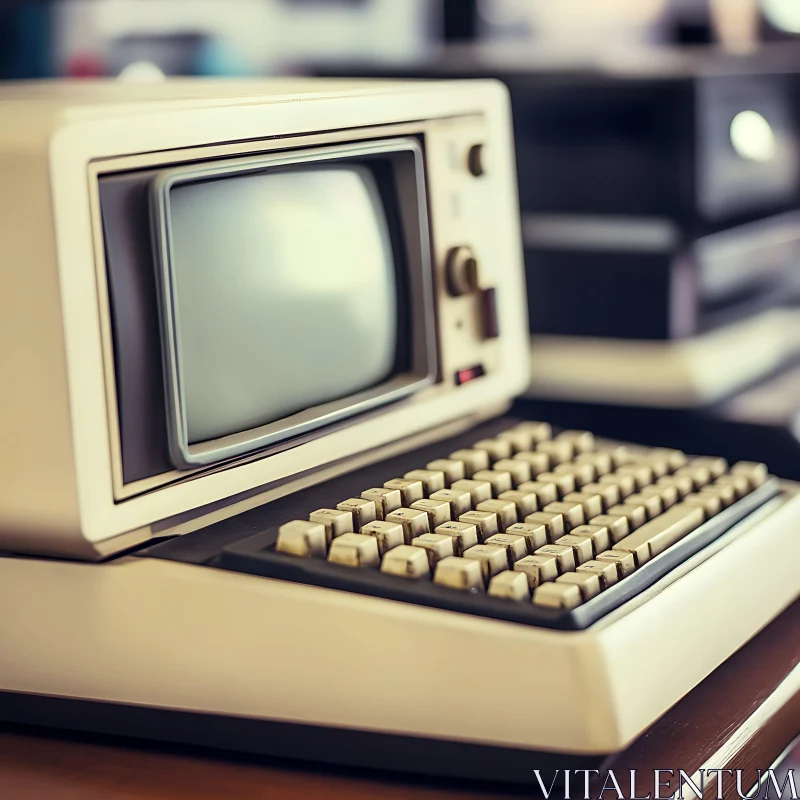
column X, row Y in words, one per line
column 658, row 152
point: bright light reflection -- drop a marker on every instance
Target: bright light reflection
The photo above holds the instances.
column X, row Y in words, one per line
column 752, row 137
column 783, row 14
column 141, row 72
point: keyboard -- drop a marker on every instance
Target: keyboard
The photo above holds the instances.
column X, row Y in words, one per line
column 531, row 525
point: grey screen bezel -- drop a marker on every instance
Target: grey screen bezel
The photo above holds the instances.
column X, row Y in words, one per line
column 412, row 206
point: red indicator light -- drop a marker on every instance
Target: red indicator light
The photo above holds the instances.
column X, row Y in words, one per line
column 466, row 375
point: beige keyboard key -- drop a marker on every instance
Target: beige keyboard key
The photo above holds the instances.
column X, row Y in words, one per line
column 608, row 492
column 537, row 569
column 464, row 574
column 726, row 493
column 510, row 586
column 496, row 448
column 583, row 473
column 651, row 502
column 582, row 547
column 598, row 535
column 485, row 521
column 682, row 484
column 709, row 502
column 410, row 490
column 452, row 469
column 564, row 481
column 756, row 474
column 386, row 500
column 537, row 462
column 355, row 550
column 519, row 440
column 557, row 595
column 716, row 466
column 572, row 512
column 563, row 554
column 388, row 535
column 414, row 522
column 620, row 453
column 546, row 492
column 605, row 571
column 432, row 479
column 535, row 535
column 701, row 476
column 514, row 545
column 460, row 502
column 526, row 502
column 558, row 451
column 499, row 481
column 406, row 561
column 436, row 545
column 602, row 462
column 363, row 511
column 588, row 583
column 675, row 458
column 493, row 560
column 617, row 524
column 635, row 514
column 506, row 512
column 520, row 471
column 538, row 431
column 642, row 474
column 302, row 538
column 624, row 562
column 463, row 535
column 438, row 511
column 582, row 441
column 736, row 481
column 658, row 464
column 473, row 460
column 336, row 522
column 477, row 490
column 592, row 503
column 668, row 495
column 654, row 537
column 552, row 521
column 625, row 483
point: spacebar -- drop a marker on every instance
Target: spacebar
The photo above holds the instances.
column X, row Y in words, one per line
column 654, row 537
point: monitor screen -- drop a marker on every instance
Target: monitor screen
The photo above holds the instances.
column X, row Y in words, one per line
column 285, row 294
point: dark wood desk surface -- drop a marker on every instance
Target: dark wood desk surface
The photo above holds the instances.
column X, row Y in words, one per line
column 722, row 723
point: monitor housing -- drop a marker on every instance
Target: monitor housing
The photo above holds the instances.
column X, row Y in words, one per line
column 93, row 419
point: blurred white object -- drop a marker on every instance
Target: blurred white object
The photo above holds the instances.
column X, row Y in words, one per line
column 141, row 72
column 783, row 14
column 752, row 137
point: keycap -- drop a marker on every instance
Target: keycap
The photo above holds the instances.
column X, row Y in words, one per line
column 452, row 469
column 465, row 574
column 563, row 554
column 493, row 560
column 756, row 474
column 552, row 521
column 485, row 521
column 582, row 547
column 700, row 475
column 535, row 535
column 546, row 492
column 716, row 466
column 477, row 490
column 336, row 522
column 538, row 431
column 355, row 550
column 654, row 537
column 432, row 479
column 658, row 464
column 624, row 562
column 675, row 458
column 726, row 493
column 436, row 545
column 460, row 502
column 617, row 524
column 588, row 583
column 406, row 561
column 496, row 448
column 635, row 514
column 583, row 473
column 668, row 495
column 602, row 462
column 592, row 503
column 641, row 474
column 582, row 441
column 463, row 534
column 526, row 502
column 499, row 481
column 559, row 451
column 410, row 490
column 737, row 481
column 625, row 483
column 605, row 571
column 513, row 544
column 572, row 513
column 557, row 595
column 509, row 585
column 520, row 471
column 651, row 503
column 302, row 538
column 682, row 484
column 414, row 522
column 537, row 569
column 565, row 483
column 598, row 535
column 386, row 500
column 710, row 503
column 363, row 511
column 473, row 460
column 620, row 453
column 519, row 440
column 536, row 461
column 388, row 535
column 609, row 493
column 438, row 511
column 506, row 512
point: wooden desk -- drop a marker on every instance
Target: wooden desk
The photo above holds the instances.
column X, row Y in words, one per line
column 742, row 716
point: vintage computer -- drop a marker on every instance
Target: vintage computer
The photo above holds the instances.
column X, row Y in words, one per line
column 259, row 489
